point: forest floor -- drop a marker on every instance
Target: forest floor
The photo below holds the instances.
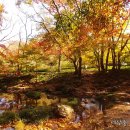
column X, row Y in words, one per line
column 113, row 86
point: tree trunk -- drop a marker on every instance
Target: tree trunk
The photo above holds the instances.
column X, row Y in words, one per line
column 36, row 73
column 102, row 60
column 59, row 63
column 80, row 67
column 107, row 58
column 75, row 67
column 113, row 59
column 119, row 61
column 18, row 69
column 97, row 60
column 36, row 102
column 77, row 62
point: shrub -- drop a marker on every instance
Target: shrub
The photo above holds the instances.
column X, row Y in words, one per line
column 33, row 95
column 27, row 114
column 35, row 114
column 73, row 101
column 4, row 88
column 42, row 70
column 7, row 117
column 44, row 112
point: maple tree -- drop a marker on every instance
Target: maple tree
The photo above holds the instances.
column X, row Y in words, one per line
column 69, row 35
column 80, row 26
column 107, row 25
column 104, row 23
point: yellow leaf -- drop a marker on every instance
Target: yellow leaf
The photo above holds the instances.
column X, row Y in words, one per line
column 1, row 8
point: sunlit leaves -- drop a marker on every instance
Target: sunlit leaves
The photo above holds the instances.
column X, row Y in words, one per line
column 19, row 2
column 28, row 1
column 79, row 25
column 1, row 8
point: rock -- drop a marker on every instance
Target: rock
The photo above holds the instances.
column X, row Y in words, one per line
column 89, row 104
column 65, row 111
column 2, row 101
column 91, row 107
column 85, row 114
column 77, row 120
column 2, row 111
column 9, row 128
column 126, row 103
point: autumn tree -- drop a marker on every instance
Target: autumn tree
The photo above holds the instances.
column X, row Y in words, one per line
column 71, row 33
column 78, row 25
column 107, row 19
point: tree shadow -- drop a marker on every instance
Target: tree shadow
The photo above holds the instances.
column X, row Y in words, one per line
column 12, row 80
column 111, row 81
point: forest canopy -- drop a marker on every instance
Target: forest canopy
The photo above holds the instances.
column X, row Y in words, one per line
column 83, row 33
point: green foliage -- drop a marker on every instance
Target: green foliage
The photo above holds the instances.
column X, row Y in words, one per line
column 64, row 22
column 42, row 70
column 3, row 88
column 28, row 114
column 33, row 95
column 73, row 101
column 7, row 117
column 35, row 114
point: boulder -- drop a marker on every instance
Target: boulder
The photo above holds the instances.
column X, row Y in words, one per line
column 65, row 111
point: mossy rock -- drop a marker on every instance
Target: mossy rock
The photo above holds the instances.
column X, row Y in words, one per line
column 64, row 111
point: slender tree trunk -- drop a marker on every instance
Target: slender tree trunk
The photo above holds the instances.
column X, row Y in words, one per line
column 18, row 69
column 119, row 61
column 59, row 63
column 75, row 67
column 107, row 58
column 99, row 68
column 97, row 60
column 36, row 102
column 102, row 60
column 36, row 72
column 80, row 67
column 26, row 67
column 113, row 59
